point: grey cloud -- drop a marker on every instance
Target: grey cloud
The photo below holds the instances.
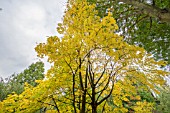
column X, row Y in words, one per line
column 22, row 24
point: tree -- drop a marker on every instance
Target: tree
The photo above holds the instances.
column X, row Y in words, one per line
column 34, row 72
column 92, row 68
column 2, row 89
column 143, row 22
column 164, row 100
column 15, row 83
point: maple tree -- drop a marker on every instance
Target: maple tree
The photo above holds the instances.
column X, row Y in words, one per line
column 93, row 70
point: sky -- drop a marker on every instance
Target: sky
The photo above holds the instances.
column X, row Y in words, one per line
column 23, row 24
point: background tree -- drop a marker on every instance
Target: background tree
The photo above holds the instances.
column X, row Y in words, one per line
column 2, row 89
column 143, row 22
column 34, row 72
column 91, row 65
column 15, row 83
column 163, row 104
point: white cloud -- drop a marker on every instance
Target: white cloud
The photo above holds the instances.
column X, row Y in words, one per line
column 22, row 24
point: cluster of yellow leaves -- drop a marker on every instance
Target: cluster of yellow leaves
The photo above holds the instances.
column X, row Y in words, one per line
column 143, row 107
column 126, row 92
column 34, row 99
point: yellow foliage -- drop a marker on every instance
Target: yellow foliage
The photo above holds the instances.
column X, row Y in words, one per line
column 51, row 111
column 143, row 107
column 90, row 62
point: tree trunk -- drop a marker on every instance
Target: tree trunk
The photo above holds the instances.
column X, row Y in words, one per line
column 94, row 108
column 93, row 104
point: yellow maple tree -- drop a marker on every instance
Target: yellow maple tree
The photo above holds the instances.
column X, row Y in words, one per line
column 91, row 67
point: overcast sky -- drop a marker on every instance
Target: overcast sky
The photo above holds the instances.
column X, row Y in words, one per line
column 23, row 23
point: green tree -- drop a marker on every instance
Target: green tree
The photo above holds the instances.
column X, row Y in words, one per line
column 34, row 72
column 15, row 83
column 163, row 105
column 143, row 22
column 2, row 89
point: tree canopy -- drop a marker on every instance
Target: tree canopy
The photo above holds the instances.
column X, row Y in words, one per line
column 143, row 22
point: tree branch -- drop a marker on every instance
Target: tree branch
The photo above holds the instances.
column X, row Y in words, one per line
column 56, row 105
column 150, row 10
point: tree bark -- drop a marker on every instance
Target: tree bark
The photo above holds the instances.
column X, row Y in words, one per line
column 153, row 11
column 74, row 98
column 94, row 103
column 84, row 93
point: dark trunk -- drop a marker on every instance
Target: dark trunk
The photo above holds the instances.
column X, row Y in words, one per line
column 74, row 98
column 83, row 103
column 94, row 108
column 84, row 93
column 94, row 103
